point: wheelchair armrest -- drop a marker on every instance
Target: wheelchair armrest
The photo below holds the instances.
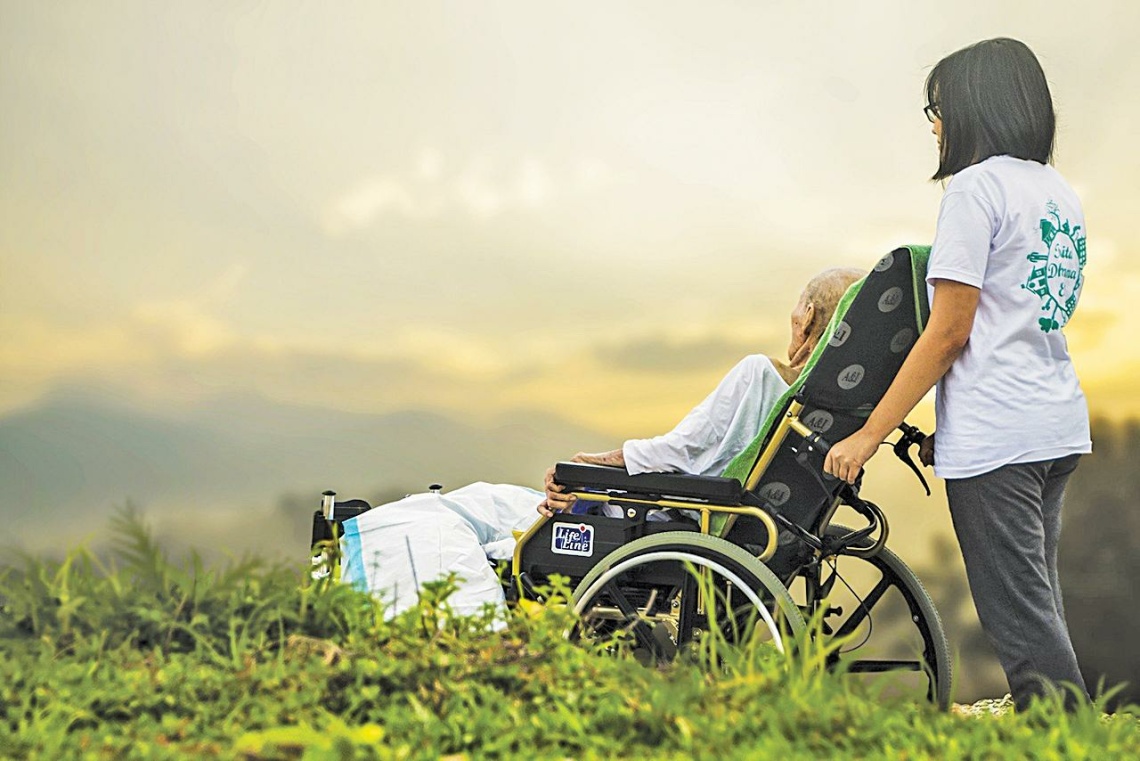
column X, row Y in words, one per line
column 577, row 476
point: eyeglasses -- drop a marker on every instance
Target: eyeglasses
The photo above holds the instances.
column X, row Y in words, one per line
column 932, row 112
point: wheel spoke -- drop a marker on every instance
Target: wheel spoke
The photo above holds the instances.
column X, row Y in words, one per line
column 686, row 616
column 637, row 590
column 863, row 609
column 903, row 636
column 642, row 630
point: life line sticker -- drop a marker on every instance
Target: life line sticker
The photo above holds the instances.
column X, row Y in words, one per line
column 572, row 539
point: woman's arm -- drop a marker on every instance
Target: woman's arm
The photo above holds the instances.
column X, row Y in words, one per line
column 946, row 334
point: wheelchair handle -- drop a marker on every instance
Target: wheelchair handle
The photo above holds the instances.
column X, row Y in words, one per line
column 911, row 435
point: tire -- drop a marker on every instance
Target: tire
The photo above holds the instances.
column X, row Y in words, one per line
column 922, row 632
column 645, row 589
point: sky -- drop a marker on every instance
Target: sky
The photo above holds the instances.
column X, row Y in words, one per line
column 474, row 208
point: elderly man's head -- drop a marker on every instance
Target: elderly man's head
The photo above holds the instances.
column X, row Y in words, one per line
column 814, row 309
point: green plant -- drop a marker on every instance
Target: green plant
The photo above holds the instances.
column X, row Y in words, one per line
column 135, row 656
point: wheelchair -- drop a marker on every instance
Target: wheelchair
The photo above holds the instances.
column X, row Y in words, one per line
column 754, row 554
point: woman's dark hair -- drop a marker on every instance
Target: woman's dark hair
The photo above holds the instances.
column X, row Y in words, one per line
column 993, row 100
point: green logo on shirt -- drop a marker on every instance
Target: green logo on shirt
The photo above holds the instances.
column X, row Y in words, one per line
column 1056, row 275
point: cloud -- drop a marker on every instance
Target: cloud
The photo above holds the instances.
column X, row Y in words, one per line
column 532, row 186
column 165, row 356
column 179, row 328
column 37, row 350
column 368, row 200
column 429, row 165
column 591, row 174
column 660, row 354
column 480, row 190
column 226, row 284
column 476, row 194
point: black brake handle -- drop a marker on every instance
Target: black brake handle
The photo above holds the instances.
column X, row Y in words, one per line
column 911, row 435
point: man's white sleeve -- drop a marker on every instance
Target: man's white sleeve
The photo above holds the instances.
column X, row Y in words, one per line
column 717, row 429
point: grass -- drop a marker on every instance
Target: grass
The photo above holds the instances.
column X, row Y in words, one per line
column 135, row 656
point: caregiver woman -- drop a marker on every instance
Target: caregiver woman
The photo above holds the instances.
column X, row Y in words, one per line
column 1005, row 276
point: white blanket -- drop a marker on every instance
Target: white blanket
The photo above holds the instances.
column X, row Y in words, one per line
column 393, row 549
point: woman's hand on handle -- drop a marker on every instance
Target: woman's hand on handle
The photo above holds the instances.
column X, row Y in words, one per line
column 845, row 459
column 926, row 450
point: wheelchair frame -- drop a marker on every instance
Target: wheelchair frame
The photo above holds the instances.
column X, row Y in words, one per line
column 827, row 546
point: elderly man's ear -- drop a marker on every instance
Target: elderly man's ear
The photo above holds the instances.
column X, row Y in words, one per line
column 802, row 317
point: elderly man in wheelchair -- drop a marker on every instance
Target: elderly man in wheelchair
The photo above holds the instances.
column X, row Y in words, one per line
column 658, row 559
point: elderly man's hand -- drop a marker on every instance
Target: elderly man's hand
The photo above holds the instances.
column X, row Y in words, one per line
column 557, row 501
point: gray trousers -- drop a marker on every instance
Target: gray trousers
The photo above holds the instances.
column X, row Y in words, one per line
column 1008, row 523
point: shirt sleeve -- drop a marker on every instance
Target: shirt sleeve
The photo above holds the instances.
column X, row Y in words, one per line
column 716, row 429
column 962, row 241
column 679, row 450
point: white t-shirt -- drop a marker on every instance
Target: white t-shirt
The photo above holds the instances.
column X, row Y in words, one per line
column 1014, row 229
column 716, row 430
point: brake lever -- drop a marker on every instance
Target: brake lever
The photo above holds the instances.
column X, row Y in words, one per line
column 911, row 435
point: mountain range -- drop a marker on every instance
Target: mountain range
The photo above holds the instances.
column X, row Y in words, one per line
column 236, row 465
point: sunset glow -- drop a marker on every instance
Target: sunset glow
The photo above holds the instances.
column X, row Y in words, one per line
column 479, row 208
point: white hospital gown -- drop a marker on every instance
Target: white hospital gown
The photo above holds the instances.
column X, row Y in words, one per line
column 717, row 429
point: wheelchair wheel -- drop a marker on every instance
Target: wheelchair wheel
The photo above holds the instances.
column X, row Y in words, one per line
column 661, row 594
column 891, row 620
